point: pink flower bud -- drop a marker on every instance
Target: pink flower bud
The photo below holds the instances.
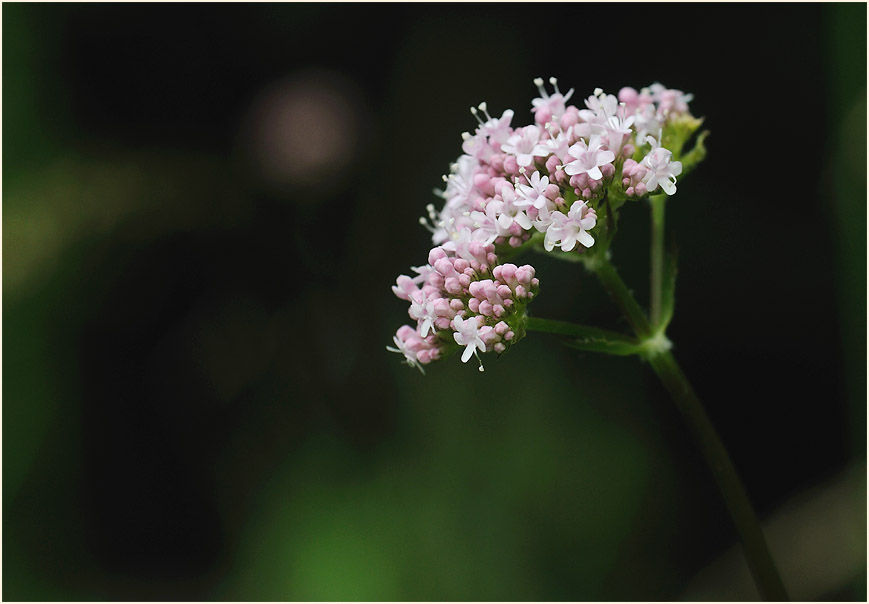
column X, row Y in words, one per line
column 551, row 163
column 452, row 285
column 552, row 191
column 406, row 331
column 435, row 254
column 569, row 119
column 484, row 183
column 508, row 271
column 497, row 162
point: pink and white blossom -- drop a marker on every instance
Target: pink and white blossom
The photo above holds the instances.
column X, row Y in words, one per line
column 570, row 229
column 534, row 193
column 661, row 169
column 467, row 334
column 549, row 107
column 525, row 144
column 588, row 158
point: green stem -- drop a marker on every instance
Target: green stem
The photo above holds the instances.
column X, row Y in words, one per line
column 757, row 553
column 748, row 526
column 657, row 259
column 618, row 290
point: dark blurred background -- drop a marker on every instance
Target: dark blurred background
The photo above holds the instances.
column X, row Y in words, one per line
column 205, row 206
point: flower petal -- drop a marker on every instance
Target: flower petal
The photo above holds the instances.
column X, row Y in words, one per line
column 585, row 239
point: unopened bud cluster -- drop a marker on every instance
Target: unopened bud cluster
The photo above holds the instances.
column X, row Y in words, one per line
column 463, row 298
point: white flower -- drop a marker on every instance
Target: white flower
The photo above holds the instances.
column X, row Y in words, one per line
column 602, row 105
column 486, row 227
column 510, row 210
column 401, row 347
column 661, row 171
column 670, row 100
column 422, row 308
column 572, row 228
column 589, row 158
column 459, row 242
column 533, row 194
column 544, row 219
column 525, row 145
column 467, row 334
column 616, row 130
column 553, row 105
column 460, row 182
column 488, row 136
column 646, row 121
column 498, row 130
column 558, row 145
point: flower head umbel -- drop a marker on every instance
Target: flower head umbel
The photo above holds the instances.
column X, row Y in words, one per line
column 541, row 186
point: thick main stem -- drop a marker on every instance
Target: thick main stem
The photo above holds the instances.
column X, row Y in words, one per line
column 657, row 259
column 757, row 553
column 748, row 526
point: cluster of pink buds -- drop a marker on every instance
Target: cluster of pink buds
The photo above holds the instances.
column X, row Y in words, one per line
column 463, row 297
column 547, row 179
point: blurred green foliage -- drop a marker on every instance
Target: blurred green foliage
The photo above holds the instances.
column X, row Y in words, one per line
column 185, row 418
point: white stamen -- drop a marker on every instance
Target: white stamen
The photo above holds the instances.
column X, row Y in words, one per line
column 483, row 107
column 554, row 83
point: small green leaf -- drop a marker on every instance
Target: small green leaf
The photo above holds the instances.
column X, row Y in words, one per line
column 695, row 155
column 668, row 287
column 620, row 347
column 584, row 337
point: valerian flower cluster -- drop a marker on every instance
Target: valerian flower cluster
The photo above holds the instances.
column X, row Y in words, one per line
column 543, row 184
